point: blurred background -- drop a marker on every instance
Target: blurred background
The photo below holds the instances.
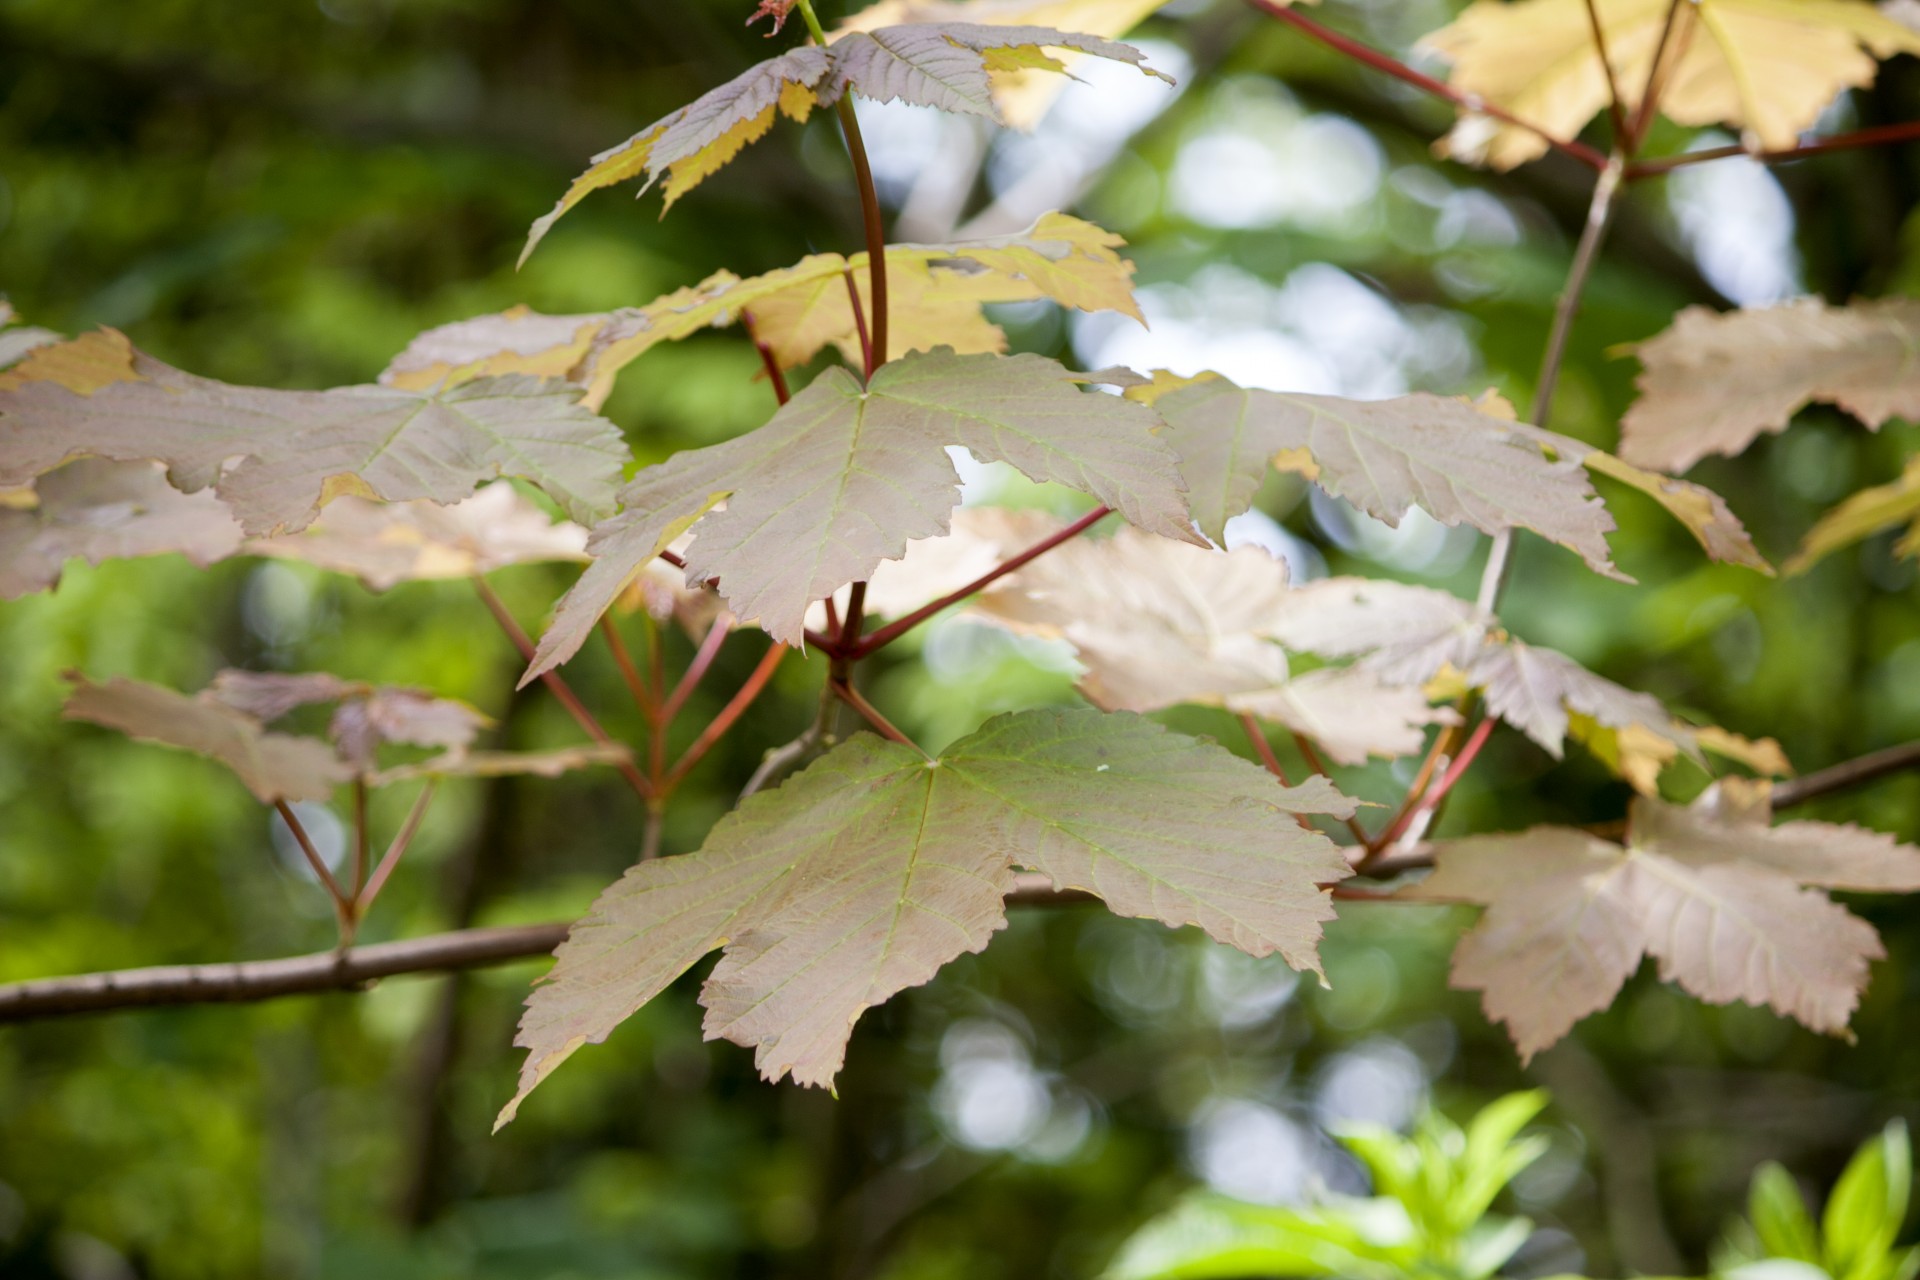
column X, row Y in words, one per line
column 285, row 193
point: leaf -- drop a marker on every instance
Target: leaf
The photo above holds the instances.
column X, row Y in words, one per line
column 1716, row 897
column 981, row 538
column 1207, row 1236
column 842, row 477
column 1157, row 623
column 367, row 717
column 866, row 872
column 100, row 511
column 1769, row 67
column 495, row 764
column 386, row 543
column 273, row 766
column 1021, row 97
column 935, row 65
column 1714, row 381
column 1863, row 515
column 1407, row 635
column 1451, row 459
column 1704, row 512
column 935, row 294
column 300, row 449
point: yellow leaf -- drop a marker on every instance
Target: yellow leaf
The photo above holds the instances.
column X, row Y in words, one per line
column 1762, row 755
column 1767, row 67
column 82, row 365
column 1704, row 512
column 1863, row 515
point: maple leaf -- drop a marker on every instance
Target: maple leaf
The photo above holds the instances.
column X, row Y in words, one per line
column 102, row 510
column 866, row 872
column 1766, row 66
column 386, row 543
column 843, row 476
column 367, row 715
column 1447, row 457
column 494, row 764
column 1157, row 623
column 980, row 539
column 273, row 766
column 1712, row 382
column 1863, row 515
column 935, row 294
column 1712, row 892
column 1407, row 635
column 943, row 65
column 1021, row 97
column 300, row 449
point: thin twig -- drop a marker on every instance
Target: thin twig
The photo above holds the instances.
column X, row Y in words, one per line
column 1850, row 773
column 401, row 843
column 769, row 662
column 557, row 685
column 1493, row 579
column 894, row 630
column 871, row 714
column 623, row 659
column 313, row 855
column 775, row 374
column 1258, row 737
column 1319, row 766
column 702, row 660
column 1616, row 110
column 1399, row 70
column 1650, row 96
column 876, row 233
column 1906, row 131
column 362, row 838
column 859, row 322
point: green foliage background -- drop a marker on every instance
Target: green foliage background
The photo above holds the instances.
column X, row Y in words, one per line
column 285, row 193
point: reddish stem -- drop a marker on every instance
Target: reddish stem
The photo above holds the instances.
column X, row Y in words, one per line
column 1257, row 736
column 851, row 696
column 1650, row 96
column 400, row 844
column 875, row 229
column 623, row 658
column 313, row 855
column 1319, row 766
column 1876, row 136
column 741, row 700
column 1399, row 70
column 859, row 323
column 1616, row 111
column 894, row 630
column 1438, row 792
column 775, row 374
column 557, row 685
column 362, row 837
column 702, row 659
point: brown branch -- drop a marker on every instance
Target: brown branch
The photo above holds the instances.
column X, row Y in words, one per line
column 1850, row 773
column 1616, row 109
column 1907, row 131
column 875, row 229
column 248, row 981
column 1399, row 70
column 741, row 700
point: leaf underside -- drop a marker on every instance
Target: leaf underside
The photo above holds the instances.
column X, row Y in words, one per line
column 869, row 870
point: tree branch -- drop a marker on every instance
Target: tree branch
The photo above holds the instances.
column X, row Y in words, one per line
column 1906, row 131
column 249, row 981
column 1849, row 773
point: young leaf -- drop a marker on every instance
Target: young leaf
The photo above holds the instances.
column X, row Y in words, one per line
column 1021, row 97
column 935, row 294
column 273, row 766
column 933, row 65
column 981, row 538
column 300, row 449
column 1768, row 67
column 1863, row 515
column 368, row 715
column 869, row 870
column 386, row 543
column 103, row 510
column 1158, row 623
column 1716, row 896
column 843, row 476
column 494, row 764
column 1456, row 462
column 1714, row 381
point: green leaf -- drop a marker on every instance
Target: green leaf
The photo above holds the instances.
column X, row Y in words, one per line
column 1455, row 462
column 273, row 766
column 1209, row 1237
column 941, row 65
column 1864, row 514
column 843, row 476
column 1779, row 1215
column 868, row 871
column 300, row 449
column 1869, row 1204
